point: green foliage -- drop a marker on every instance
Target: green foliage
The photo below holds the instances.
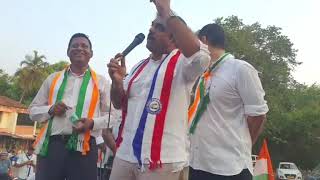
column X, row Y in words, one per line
column 31, row 74
column 5, row 84
column 25, row 83
column 294, row 116
column 57, row 67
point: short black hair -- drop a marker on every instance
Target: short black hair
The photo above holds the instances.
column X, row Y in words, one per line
column 76, row 35
column 214, row 34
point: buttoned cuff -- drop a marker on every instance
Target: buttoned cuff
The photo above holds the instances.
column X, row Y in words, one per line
column 203, row 54
column 40, row 114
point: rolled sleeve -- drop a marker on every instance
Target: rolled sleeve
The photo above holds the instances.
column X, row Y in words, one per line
column 39, row 114
column 195, row 65
column 251, row 91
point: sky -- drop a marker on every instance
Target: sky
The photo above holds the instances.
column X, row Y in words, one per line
column 46, row 26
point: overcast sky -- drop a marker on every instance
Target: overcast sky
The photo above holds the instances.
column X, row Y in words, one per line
column 46, row 26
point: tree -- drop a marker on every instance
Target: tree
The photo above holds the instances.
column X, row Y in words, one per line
column 293, row 118
column 5, row 84
column 57, row 66
column 31, row 74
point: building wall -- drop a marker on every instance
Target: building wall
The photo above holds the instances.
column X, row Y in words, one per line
column 8, row 120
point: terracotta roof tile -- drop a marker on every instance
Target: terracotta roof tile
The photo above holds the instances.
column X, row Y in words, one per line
column 5, row 101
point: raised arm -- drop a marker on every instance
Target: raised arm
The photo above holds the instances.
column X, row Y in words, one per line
column 185, row 39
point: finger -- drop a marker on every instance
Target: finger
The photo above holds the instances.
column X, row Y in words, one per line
column 113, row 60
column 123, row 62
column 114, row 69
column 83, row 120
column 114, row 65
column 118, row 55
column 61, row 105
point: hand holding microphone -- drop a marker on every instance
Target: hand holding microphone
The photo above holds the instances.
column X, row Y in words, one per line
column 118, row 71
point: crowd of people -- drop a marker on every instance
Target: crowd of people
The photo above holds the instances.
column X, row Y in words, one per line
column 18, row 166
column 156, row 132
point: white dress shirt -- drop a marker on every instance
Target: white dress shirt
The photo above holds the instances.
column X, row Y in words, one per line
column 221, row 143
column 61, row 125
column 175, row 139
column 26, row 171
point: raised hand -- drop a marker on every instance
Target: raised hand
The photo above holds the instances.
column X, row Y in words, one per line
column 83, row 125
column 117, row 71
column 163, row 8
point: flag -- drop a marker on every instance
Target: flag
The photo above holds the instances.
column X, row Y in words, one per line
column 263, row 168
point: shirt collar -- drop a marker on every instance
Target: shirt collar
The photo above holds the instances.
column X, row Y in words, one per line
column 74, row 74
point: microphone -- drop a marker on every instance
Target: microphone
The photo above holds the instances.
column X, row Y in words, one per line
column 137, row 40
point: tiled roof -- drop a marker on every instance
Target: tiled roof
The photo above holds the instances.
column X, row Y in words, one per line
column 5, row 101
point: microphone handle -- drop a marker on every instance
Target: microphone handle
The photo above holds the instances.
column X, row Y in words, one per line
column 129, row 48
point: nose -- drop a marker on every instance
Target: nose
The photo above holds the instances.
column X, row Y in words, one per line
column 152, row 29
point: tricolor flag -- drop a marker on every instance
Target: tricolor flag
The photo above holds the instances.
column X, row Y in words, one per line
column 263, row 168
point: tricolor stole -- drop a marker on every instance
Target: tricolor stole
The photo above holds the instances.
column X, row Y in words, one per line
column 87, row 102
column 155, row 109
column 201, row 96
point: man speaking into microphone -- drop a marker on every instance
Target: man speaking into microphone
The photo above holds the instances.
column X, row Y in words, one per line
column 154, row 98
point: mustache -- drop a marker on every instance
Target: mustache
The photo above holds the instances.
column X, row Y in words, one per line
column 150, row 36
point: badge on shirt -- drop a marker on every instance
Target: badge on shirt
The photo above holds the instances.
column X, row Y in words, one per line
column 154, row 106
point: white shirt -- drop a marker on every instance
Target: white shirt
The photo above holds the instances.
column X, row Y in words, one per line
column 221, row 143
column 25, row 171
column 175, row 138
column 61, row 125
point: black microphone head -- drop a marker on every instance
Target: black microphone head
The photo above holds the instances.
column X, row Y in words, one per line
column 139, row 38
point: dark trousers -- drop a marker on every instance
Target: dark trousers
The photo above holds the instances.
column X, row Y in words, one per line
column 104, row 173
column 4, row 177
column 202, row 175
column 61, row 164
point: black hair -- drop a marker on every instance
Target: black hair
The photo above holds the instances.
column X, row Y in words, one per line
column 79, row 35
column 214, row 34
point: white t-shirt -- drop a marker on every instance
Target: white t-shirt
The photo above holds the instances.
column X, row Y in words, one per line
column 175, row 139
column 221, row 143
column 25, row 171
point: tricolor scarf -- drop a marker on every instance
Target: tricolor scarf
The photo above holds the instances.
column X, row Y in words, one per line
column 155, row 107
column 87, row 101
column 201, row 96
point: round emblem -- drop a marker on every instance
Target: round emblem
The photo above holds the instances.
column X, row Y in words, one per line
column 154, row 106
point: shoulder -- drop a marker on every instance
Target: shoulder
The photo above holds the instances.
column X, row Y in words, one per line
column 137, row 65
column 51, row 76
column 103, row 81
column 240, row 66
column 20, row 156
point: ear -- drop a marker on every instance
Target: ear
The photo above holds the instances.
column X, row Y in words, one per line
column 91, row 53
column 68, row 53
column 204, row 40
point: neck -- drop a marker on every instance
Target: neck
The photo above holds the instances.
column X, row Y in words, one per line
column 217, row 53
column 78, row 70
column 156, row 56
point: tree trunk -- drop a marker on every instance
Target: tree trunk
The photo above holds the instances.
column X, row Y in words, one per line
column 22, row 96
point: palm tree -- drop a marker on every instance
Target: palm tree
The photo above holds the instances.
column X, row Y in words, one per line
column 31, row 74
